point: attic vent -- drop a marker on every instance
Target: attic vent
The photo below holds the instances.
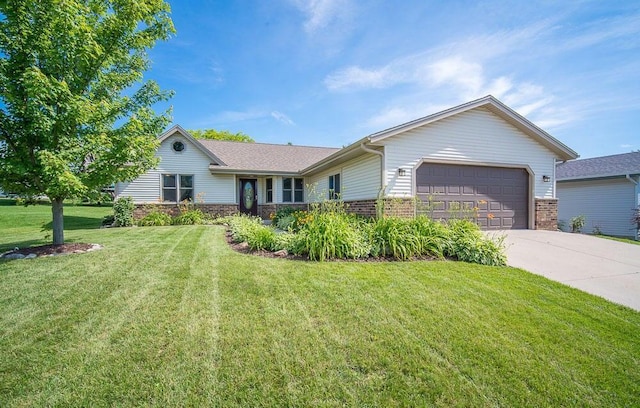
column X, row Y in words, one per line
column 178, row 146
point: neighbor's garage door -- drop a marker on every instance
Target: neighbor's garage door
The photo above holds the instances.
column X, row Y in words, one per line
column 496, row 196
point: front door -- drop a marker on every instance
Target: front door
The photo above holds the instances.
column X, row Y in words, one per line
column 248, row 197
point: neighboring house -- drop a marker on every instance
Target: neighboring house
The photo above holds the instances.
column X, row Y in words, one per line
column 603, row 189
column 481, row 156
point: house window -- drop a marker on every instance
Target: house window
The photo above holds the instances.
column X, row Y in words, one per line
column 178, row 146
column 334, row 186
column 292, row 190
column 177, row 186
column 269, row 183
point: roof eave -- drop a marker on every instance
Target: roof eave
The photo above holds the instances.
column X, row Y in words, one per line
column 597, row 177
column 227, row 170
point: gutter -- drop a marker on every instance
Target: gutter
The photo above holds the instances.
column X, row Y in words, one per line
column 628, row 177
column 383, row 170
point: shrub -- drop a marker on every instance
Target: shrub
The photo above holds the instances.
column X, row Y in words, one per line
column 241, row 226
column 155, row 219
column 261, row 237
column 394, row 237
column 286, row 222
column 281, row 213
column 284, row 240
column 331, row 235
column 123, row 212
column 467, row 243
column 108, row 220
column 433, row 236
column 577, row 223
column 190, row 217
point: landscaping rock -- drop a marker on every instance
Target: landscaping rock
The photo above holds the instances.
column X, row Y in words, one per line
column 283, row 253
column 243, row 246
column 14, row 256
column 31, row 256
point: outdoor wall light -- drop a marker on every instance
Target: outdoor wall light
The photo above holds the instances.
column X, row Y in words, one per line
column 402, row 172
column 546, row 179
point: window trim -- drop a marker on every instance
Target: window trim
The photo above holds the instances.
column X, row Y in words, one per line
column 268, row 190
column 334, row 193
column 178, row 187
column 292, row 190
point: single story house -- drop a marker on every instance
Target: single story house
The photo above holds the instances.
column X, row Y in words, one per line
column 604, row 189
column 480, row 156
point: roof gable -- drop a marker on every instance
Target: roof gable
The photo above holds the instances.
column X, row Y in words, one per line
column 496, row 107
column 598, row 167
column 177, row 129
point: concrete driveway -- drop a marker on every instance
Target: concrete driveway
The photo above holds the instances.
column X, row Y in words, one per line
column 603, row 267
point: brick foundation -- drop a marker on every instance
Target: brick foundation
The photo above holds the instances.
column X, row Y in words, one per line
column 265, row 210
column 215, row 210
column 393, row 207
column 546, row 211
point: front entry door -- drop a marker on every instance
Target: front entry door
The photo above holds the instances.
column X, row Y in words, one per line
column 248, row 197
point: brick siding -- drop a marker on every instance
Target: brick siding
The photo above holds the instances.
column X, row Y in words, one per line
column 546, row 214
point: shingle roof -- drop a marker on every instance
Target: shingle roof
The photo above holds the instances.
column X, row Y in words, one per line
column 605, row 166
column 265, row 157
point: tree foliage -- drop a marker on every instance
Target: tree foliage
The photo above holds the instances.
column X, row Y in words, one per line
column 75, row 113
column 221, row 135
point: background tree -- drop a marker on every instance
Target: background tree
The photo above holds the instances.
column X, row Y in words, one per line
column 75, row 114
column 221, row 135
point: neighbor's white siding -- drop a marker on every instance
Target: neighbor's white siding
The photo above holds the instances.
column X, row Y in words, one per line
column 606, row 204
column 359, row 178
column 209, row 188
column 473, row 136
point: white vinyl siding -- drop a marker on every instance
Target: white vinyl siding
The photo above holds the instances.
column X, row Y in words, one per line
column 475, row 136
column 606, row 204
column 360, row 179
column 208, row 188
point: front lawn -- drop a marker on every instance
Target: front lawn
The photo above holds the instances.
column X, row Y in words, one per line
column 170, row 316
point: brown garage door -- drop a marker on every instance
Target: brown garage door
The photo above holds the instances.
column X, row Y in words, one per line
column 496, row 195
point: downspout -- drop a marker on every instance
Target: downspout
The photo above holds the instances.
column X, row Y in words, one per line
column 383, row 175
column 637, row 197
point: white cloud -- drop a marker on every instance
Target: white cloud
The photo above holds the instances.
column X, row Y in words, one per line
column 356, row 77
column 281, row 117
column 322, row 13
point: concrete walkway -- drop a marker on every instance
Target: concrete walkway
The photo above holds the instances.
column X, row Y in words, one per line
column 599, row 266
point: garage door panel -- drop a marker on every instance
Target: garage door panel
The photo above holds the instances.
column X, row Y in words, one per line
column 499, row 194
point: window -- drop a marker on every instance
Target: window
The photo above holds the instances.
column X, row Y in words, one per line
column 334, row 186
column 269, row 183
column 178, row 146
column 177, row 185
column 292, row 190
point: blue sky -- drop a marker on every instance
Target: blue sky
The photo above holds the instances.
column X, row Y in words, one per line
column 328, row 72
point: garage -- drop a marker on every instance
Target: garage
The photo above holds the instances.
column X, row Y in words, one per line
column 498, row 196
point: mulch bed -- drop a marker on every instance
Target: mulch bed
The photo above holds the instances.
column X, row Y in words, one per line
column 243, row 248
column 45, row 250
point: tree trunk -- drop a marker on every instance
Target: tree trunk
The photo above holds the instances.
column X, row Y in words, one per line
column 58, row 221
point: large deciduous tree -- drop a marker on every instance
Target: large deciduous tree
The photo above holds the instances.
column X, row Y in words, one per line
column 75, row 112
column 221, row 135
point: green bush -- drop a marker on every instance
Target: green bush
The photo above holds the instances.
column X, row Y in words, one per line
column 394, row 237
column 577, row 223
column 282, row 213
column 331, row 235
column 284, row 240
column 241, row 227
column 285, row 223
column 467, row 243
column 433, row 236
column 190, row 217
column 261, row 238
column 123, row 212
column 155, row 219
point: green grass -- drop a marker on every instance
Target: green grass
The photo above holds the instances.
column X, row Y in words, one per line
column 170, row 316
column 620, row 239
